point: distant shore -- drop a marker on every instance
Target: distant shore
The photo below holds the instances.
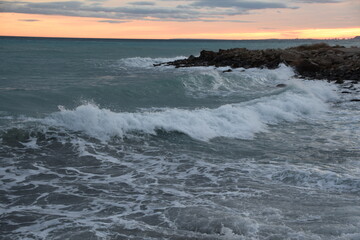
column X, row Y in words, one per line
column 316, row 61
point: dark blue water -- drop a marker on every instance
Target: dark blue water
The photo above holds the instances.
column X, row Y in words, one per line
column 97, row 143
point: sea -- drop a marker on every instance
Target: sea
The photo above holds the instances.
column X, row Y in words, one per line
column 97, row 143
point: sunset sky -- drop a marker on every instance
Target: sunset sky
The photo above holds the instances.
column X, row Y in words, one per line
column 166, row 19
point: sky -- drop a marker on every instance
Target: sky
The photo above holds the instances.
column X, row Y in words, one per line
column 181, row 19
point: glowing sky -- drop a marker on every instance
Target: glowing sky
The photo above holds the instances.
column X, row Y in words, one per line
column 164, row 19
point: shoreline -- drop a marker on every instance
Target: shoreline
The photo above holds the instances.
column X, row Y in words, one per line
column 316, row 61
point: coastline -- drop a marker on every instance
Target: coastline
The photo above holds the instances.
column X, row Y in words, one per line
column 316, row 61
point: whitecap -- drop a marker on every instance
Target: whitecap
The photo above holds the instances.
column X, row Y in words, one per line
column 145, row 62
column 240, row 120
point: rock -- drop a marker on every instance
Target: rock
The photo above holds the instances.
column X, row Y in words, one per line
column 192, row 57
column 281, row 85
column 355, row 100
column 305, row 66
column 317, row 61
column 229, row 70
column 290, row 57
column 207, row 55
column 340, row 81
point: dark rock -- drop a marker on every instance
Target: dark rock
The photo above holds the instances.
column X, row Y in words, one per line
column 207, row 55
column 281, row 85
column 345, row 92
column 290, row 57
column 229, row 70
column 355, row 100
column 317, row 61
column 306, row 66
column 340, row 81
column 235, row 65
column 315, row 46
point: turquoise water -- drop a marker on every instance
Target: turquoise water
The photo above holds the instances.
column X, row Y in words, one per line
column 97, row 143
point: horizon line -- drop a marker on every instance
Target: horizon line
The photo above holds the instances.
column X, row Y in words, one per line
column 179, row 39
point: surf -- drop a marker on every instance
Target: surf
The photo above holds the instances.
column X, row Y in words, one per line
column 302, row 101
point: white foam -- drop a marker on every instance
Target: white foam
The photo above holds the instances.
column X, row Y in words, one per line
column 31, row 143
column 312, row 177
column 242, row 120
column 205, row 81
column 145, row 62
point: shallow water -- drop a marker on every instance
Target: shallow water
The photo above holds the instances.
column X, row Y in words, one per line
column 97, row 143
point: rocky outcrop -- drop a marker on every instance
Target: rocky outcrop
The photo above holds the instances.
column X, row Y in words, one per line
column 317, row 61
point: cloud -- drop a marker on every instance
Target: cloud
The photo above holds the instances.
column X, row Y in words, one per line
column 79, row 9
column 248, row 5
column 28, row 20
column 142, row 3
column 112, row 21
column 192, row 10
column 268, row 28
column 318, row 1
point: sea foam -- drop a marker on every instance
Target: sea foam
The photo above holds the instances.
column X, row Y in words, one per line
column 145, row 62
column 210, row 81
column 302, row 100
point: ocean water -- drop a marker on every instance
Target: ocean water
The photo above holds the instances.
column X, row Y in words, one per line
column 96, row 143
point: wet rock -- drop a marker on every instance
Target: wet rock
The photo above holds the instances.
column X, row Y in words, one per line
column 281, row 85
column 317, row 61
column 207, row 55
column 340, row 81
column 306, row 66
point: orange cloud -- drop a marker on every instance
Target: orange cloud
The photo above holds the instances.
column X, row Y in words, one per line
column 15, row 24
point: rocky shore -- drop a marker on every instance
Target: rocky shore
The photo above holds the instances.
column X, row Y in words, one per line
column 317, row 61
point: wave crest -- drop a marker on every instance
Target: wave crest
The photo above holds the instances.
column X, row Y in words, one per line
column 240, row 120
column 145, row 62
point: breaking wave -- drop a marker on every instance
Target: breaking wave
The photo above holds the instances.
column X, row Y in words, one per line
column 240, row 120
column 145, row 62
column 205, row 81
